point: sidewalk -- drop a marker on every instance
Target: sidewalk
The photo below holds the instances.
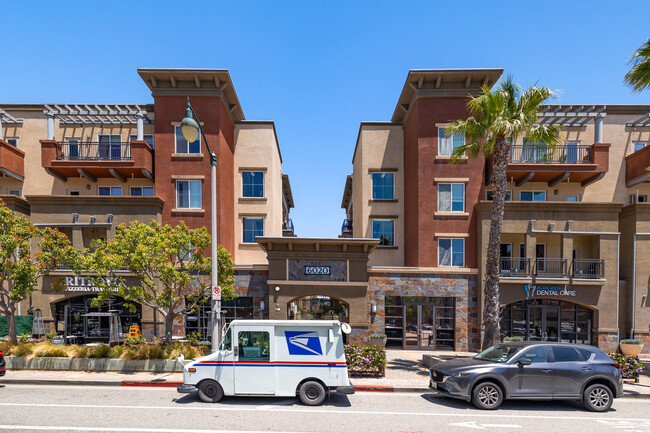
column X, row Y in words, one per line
column 404, row 373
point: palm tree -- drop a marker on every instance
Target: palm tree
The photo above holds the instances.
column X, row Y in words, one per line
column 639, row 75
column 496, row 115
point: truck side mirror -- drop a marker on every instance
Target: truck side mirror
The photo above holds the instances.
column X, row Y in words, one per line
column 330, row 336
column 181, row 358
column 524, row 361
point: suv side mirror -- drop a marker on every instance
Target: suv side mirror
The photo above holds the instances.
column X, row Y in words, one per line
column 524, row 361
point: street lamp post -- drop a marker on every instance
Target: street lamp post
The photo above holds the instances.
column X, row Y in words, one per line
column 190, row 126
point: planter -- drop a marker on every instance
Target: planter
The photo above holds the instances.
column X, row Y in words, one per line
column 631, row 349
column 381, row 342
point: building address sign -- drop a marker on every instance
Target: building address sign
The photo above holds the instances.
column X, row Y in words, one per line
column 317, row 270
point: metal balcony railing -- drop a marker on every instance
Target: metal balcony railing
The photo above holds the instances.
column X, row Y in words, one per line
column 93, row 151
column 551, row 268
column 588, row 268
column 543, row 154
column 515, row 267
column 287, row 228
column 346, row 229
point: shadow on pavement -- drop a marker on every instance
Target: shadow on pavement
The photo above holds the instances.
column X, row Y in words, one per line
column 408, row 366
column 333, row 401
column 514, row 405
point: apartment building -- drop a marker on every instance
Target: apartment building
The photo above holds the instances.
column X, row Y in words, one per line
column 575, row 238
column 86, row 168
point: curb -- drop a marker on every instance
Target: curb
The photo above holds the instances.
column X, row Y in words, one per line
column 165, row 384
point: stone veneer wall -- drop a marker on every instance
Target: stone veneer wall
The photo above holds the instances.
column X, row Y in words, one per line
column 462, row 287
column 253, row 283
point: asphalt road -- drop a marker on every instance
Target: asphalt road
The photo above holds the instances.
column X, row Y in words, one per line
column 29, row 408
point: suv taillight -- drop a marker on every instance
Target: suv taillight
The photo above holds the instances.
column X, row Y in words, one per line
column 1, row 354
column 616, row 365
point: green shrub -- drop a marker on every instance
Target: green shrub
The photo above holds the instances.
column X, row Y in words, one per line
column 100, row 351
column 631, row 341
column 23, row 349
column 630, row 367
column 365, row 360
column 24, row 338
column 135, row 340
column 513, row 339
column 79, row 352
column 48, row 350
column 115, row 352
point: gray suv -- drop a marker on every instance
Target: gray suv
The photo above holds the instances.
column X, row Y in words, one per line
column 532, row 370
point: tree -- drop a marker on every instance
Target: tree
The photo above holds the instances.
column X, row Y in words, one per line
column 638, row 77
column 496, row 115
column 161, row 266
column 20, row 269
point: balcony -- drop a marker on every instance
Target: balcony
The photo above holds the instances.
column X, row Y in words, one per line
column 515, row 267
column 588, row 268
column 346, row 229
column 12, row 161
column 92, row 160
column 541, row 163
column 551, row 268
column 287, row 228
column 637, row 165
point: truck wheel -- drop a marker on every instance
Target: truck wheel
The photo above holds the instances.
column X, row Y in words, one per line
column 597, row 398
column 210, row 391
column 487, row 395
column 312, row 393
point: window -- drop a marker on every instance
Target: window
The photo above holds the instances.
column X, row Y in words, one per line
column 71, row 148
column 109, row 190
column 252, row 183
column 147, row 137
column 451, row 252
column 253, row 345
column 15, row 192
column 565, row 354
column 571, row 152
column 12, row 140
column 383, row 186
column 226, row 343
column 489, row 194
column 146, row 191
column 188, row 194
column 182, row 146
column 532, row 196
column 252, row 227
column 447, row 145
column 572, row 197
column 110, row 147
column 384, row 230
column 451, row 197
column 634, row 198
column 638, row 145
column 535, row 354
column 200, row 319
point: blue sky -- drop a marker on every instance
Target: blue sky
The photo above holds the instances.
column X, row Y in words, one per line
column 316, row 68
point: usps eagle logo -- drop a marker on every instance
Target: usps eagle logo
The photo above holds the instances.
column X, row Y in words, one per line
column 303, row 343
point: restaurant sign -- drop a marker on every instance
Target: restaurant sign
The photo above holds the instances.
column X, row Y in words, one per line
column 532, row 291
column 83, row 284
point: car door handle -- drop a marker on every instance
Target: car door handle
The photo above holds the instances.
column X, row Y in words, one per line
column 586, row 368
column 547, row 371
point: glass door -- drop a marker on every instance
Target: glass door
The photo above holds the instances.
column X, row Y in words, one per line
column 420, row 323
column 543, row 322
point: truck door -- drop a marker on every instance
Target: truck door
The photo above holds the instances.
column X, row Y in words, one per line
column 254, row 371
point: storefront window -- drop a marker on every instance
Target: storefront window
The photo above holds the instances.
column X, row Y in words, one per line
column 199, row 320
column 420, row 322
column 318, row 308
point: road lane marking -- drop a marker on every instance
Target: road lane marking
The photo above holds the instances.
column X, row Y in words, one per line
column 475, row 426
column 126, row 429
column 240, row 408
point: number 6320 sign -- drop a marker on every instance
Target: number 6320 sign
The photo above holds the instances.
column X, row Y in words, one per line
column 317, row 270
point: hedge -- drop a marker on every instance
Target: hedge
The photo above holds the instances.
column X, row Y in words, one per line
column 23, row 325
column 630, row 366
column 365, row 360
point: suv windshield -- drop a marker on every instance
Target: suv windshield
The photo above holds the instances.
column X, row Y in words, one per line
column 498, row 353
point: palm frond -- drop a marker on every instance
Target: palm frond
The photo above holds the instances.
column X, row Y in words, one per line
column 638, row 77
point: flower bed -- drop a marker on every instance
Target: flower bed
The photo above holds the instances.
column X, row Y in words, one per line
column 365, row 361
column 630, row 366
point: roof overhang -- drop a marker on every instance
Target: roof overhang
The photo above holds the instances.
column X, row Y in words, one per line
column 347, row 192
column 194, row 82
column 289, row 243
column 442, row 83
column 286, row 190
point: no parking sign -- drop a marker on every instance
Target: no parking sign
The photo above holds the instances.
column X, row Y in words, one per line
column 216, row 293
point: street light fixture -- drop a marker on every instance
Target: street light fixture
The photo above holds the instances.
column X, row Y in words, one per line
column 190, row 127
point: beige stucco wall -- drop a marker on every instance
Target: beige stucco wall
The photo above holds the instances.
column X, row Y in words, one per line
column 37, row 180
column 256, row 148
column 380, row 147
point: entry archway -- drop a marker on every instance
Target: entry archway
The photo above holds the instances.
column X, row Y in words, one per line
column 548, row 320
column 318, row 307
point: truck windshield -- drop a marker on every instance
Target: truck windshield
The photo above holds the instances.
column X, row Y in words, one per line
column 498, row 353
column 226, row 343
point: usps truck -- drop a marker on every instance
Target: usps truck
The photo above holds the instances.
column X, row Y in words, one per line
column 273, row 358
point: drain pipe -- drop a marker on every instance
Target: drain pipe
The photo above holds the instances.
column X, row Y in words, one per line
column 634, row 282
column 618, row 255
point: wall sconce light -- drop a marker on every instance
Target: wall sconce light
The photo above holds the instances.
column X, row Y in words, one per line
column 262, row 305
column 277, row 307
column 550, row 226
column 92, row 220
column 110, row 218
column 75, row 217
column 277, row 289
column 556, row 192
column 373, row 308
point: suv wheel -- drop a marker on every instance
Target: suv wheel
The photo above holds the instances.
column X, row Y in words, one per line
column 487, row 395
column 597, row 398
column 311, row 393
column 210, row 391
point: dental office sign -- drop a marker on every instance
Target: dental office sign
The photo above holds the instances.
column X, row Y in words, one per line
column 82, row 284
column 532, row 291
